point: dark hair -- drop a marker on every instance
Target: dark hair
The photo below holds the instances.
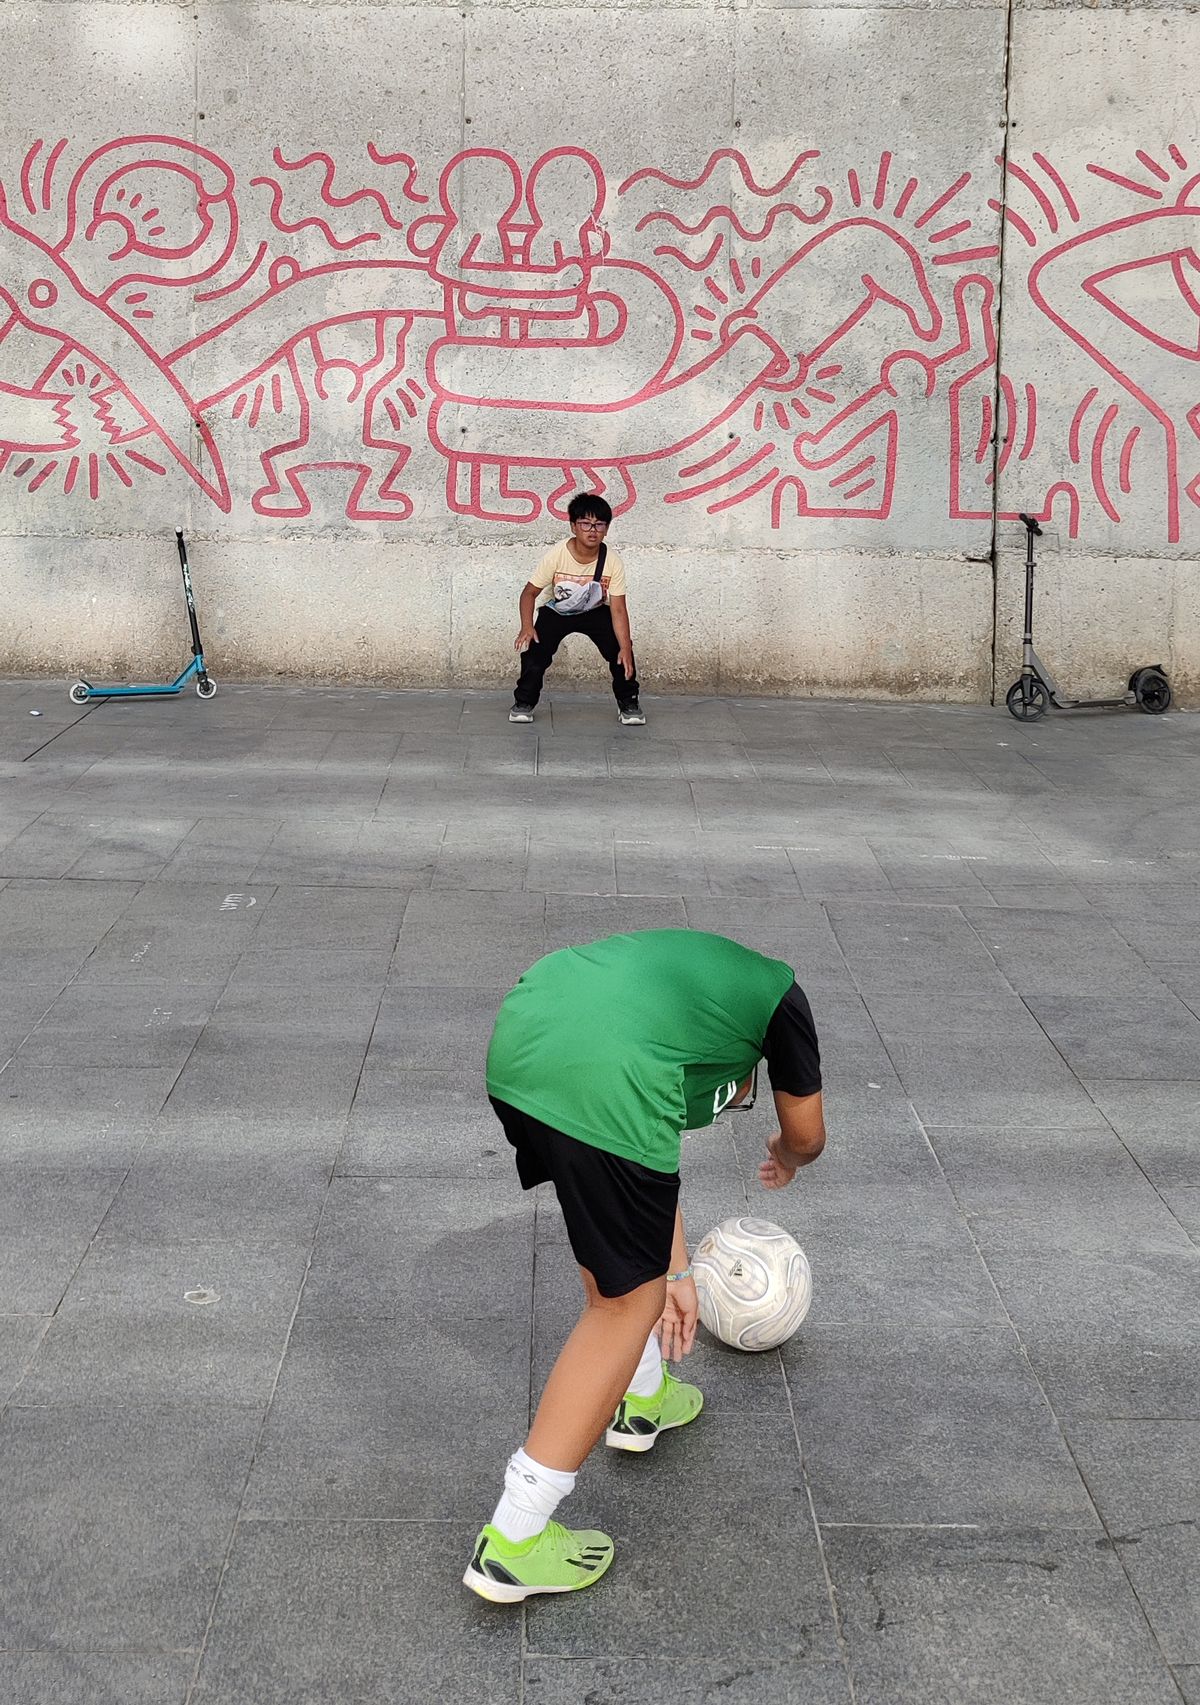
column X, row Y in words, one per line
column 586, row 506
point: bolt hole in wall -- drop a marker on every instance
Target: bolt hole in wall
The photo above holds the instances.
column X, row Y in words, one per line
column 817, row 382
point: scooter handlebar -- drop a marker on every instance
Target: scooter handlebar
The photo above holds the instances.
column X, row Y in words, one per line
column 1028, row 521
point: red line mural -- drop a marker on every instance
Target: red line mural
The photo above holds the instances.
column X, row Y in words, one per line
column 782, row 348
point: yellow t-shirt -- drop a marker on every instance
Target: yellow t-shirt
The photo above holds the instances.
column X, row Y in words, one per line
column 559, row 568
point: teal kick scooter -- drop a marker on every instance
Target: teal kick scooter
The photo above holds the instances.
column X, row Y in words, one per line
column 83, row 691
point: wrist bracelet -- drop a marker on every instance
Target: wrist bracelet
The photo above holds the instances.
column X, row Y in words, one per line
column 686, row 1273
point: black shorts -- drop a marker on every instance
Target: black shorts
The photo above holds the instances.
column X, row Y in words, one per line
column 620, row 1216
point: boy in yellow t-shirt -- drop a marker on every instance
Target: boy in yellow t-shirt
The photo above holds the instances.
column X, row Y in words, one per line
column 584, row 584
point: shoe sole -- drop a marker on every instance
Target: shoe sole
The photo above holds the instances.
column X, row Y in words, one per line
column 632, row 721
column 640, row 1442
column 499, row 1592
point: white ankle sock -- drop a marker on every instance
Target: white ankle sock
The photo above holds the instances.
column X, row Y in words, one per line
column 531, row 1495
column 648, row 1376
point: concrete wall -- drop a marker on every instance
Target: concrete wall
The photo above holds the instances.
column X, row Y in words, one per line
column 821, row 296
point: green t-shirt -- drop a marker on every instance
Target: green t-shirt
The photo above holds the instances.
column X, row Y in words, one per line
column 627, row 1042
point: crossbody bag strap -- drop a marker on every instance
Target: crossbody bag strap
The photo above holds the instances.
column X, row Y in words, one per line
column 600, row 560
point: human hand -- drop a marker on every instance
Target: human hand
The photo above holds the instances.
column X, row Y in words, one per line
column 525, row 638
column 776, row 1172
column 677, row 1327
column 625, row 659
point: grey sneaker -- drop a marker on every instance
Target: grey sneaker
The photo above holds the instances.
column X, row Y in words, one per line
column 520, row 713
column 632, row 715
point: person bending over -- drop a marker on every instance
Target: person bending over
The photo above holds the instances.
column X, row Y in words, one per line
column 600, row 1058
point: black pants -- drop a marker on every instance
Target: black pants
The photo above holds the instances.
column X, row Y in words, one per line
column 552, row 629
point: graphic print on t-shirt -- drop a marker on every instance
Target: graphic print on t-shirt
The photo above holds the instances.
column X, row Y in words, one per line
column 723, row 1097
column 558, row 568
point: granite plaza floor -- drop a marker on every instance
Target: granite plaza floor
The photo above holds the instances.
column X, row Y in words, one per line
column 273, row 1309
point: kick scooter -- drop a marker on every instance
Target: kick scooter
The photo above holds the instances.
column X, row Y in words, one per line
column 82, row 691
column 1028, row 698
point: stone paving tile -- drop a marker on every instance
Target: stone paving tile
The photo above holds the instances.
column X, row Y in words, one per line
column 585, row 866
column 1048, row 953
column 20, row 1335
column 1072, row 1286
column 740, row 1484
column 436, row 1029
column 401, row 1420
column 586, row 917
column 327, row 969
column 1114, row 1373
column 1143, row 1477
column 48, row 1218
column 221, row 849
column 409, row 1249
column 126, row 1025
column 21, row 1009
column 432, row 957
column 927, row 1426
column 173, row 1194
column 978, row 1058
column 736, row 867
column 484, row 912
column 241, row 1074
column 99, row 1678
column 1043, row 1190
column 1104, row 1035
column 1108, row 1336
column 1045, row 897
column 1185, row 1205
column 1045, row 1616
column 38, row 1136
column 669, row 865
column 116, row 1520
column 729, row 1681
column 197, row 1322
column 897, row 1251
column 49, row 930
column 293, row 1017
column 475, row 858
column 423, row 1124
column 328, row 1610
column 161, row 954
column 1157, row 1122
column 204, row 905
column 321, row 917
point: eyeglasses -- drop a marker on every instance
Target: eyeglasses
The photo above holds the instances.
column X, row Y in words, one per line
column 723, row 1101
column 747, row 1101
column 592, row 526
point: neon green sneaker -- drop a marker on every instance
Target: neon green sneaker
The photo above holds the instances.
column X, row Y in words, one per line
column 639, row 1420
column 556, row 1560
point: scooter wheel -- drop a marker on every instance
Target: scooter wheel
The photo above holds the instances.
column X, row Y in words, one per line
column 1152, row 691
column 206, row 687
column 1026, row 703
column 80, row 693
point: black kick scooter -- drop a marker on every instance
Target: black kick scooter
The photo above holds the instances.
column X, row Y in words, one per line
column 83, row 691
column 1028, row 698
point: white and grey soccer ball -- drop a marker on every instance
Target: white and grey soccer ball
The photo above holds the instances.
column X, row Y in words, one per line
column 754, row 1283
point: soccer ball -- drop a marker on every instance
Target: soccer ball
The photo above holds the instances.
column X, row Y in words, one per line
column 754, row 1282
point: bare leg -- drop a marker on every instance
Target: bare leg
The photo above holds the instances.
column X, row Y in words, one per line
column 592, row 1373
